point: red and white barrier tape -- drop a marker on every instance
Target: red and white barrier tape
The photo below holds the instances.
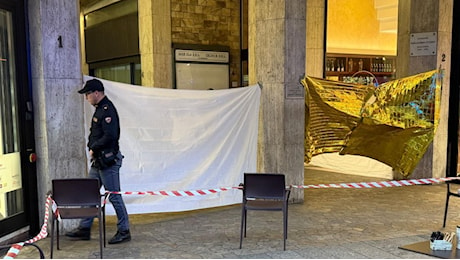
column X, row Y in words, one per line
column 14, row 249
column 380, row 184
column 175, row 192
column 373, row 184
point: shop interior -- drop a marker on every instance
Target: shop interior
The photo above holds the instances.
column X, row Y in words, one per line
column 361, row 37
column 361, row 47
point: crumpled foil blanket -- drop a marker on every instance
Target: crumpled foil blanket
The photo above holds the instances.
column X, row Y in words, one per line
column 393, row 123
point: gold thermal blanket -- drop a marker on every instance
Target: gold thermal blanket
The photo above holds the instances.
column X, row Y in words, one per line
column 393, row 123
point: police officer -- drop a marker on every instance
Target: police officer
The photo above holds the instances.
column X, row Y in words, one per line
column 106, row 159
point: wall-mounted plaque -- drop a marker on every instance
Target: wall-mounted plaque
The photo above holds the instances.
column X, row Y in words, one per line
column 423, row 44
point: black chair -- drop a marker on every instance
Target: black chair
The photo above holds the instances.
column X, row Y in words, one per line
column 264, row 191
column 77, row 199
column 450, row 193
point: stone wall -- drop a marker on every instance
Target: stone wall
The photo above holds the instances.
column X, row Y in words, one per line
column 208, row 22
column 58, row 109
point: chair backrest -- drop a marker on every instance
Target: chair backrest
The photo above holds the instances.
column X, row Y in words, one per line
column 264, row 185
column 76, row 192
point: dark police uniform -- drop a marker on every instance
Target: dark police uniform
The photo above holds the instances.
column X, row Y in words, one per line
column 103, row 140
column 105, row 128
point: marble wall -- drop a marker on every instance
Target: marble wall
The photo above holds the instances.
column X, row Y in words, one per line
column 155, row 43
column 420, row 16
column 277, row 35
column 56, row 77
column 314, row 59
column 209, row 22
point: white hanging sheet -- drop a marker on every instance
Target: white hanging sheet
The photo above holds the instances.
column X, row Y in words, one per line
column 183, row 140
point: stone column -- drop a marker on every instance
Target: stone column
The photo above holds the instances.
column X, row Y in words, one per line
column 418, row 16
column 155, row 42
column 316, row 23
column 277, row 60
column 56, row 76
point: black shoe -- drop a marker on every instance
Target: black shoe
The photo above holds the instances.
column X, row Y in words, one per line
column 80, row 234
column 119, row 237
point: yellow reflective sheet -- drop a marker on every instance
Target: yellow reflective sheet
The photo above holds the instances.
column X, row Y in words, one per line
column 393, row 123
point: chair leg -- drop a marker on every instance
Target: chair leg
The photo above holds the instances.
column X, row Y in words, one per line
column 284, row 228
column 447, row 205
column 52, row 238
column 100, row 235
column 243, row 226
column 40, row 251
column 245, row 221
column 103, row 223
column 57, row 235
column 287, row 219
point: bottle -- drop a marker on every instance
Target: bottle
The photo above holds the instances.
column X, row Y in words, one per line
column 360, row 64
column 350, row 65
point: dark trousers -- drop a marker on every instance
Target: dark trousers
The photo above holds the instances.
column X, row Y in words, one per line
column 110, row 178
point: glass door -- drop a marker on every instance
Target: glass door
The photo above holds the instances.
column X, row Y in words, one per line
column 18, row 185
column 11, row 201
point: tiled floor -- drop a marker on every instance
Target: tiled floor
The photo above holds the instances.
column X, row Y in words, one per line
column 331, row 223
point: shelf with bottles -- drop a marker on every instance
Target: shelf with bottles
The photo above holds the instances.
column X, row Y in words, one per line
column 342, row 67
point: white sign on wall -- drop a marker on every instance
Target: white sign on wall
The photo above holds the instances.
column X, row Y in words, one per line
column 423, row 44
column 201, row 76
column 202, row 56
column 201, row 70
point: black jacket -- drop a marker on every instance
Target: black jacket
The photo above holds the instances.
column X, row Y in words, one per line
column 105, row 128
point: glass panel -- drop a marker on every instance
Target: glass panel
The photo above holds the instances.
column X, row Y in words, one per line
column 362, row 27
column 361, row 41
column 11, row 200
column 110, row 12
column 120, row 73
column 8, row 105
column 137, row 74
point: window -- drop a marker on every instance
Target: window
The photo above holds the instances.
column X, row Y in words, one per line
column 8, row 105
column 128, row 73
